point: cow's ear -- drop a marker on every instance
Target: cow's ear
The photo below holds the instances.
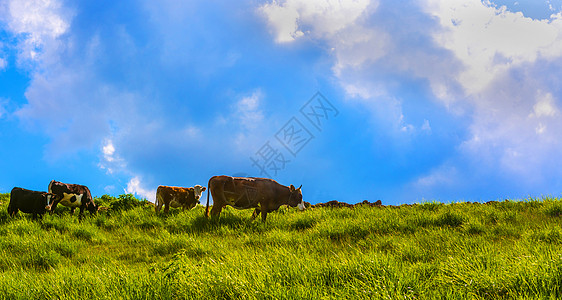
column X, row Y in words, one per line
column 203, row 189
column 292, row 187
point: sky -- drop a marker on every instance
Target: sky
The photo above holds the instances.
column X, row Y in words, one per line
column 398, row 101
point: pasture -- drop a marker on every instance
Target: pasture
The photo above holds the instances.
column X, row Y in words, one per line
column 508, row 249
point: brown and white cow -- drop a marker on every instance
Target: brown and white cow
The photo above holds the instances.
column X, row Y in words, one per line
column 263, row 194
column 31, row 202
column 73, row 196
column 173, row 196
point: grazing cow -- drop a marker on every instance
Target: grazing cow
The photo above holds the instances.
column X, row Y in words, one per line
column 172, row 196
column 265, row 195
column 31, row 202
column 73, row 196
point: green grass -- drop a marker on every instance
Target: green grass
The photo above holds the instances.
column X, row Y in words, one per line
column 508, row 249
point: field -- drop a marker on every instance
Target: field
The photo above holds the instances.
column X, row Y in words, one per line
column 508, row 249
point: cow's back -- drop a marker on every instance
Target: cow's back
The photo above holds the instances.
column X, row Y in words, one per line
column 27, row 201
column 22, row 195
column 163, row 193
column 57, row 187
column 16, row 192
column 265, row 186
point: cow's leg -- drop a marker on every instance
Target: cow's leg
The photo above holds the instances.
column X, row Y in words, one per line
column 166, row 207
column 256, row 213
column 81, row 214
column 12, row 212
column 263, row 215
column 216, row 210
column 219, row 200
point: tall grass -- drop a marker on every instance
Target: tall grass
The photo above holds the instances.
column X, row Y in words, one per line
column 508, row 249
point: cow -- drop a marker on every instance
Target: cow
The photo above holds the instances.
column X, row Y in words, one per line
column 173, row 196
column 73, row 196
column 31, row 202
column 263, row 194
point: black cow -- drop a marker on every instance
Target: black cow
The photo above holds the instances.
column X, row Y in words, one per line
column 31, row 202
column 73, row 195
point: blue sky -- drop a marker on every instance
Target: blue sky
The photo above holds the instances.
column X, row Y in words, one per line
column 418, row 100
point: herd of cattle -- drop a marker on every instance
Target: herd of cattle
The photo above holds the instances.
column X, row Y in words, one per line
column 263, row 194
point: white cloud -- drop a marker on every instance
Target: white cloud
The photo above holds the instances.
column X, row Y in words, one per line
column 39, row 18
column 247, row 121
column 338, row 22
column 545, row 106
column 108, row 151
column 505, row 79
column 110, row 161
column 38, row 24
column 515, row 130
column 293, row 19
column 369, row 47
column 444, row 175
column 477, row 59
column 540, row 129
column 3, row 107
column 109, row 189
column 489, row 40
column 135, row 187
column 426, row 126
column 248, row 110
column 284, row 21
column 354, row 46
column 3, row 57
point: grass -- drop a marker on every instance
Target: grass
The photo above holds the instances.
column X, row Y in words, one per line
column 508, row 249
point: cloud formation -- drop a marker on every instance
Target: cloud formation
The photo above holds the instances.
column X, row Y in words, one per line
column 293, row 19
column 38, row 24
column 135, row 187
column 479, row 60
column 489, row 41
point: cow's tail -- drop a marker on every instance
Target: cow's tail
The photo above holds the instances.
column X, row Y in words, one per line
column 208, row 193
column 12, row 200
column 156, row 202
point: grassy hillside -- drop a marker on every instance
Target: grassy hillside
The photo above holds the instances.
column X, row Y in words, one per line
column 456, row 251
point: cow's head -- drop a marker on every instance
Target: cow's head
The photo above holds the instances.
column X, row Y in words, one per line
column 51, row 199
column 198, row 190
column 92, row 207
column 295, row 200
